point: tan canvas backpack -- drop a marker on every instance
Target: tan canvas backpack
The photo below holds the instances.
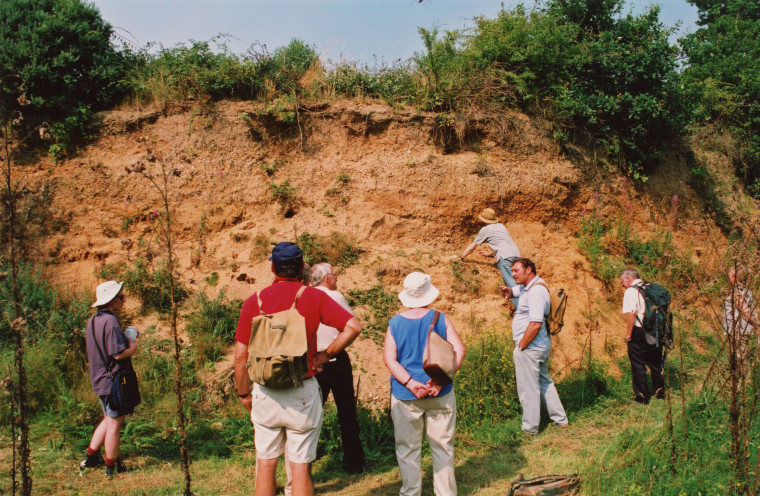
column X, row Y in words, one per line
column 278, row 349
column 558, row 302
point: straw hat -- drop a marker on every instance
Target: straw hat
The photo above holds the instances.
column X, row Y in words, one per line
column 488, row 215
column 106, row 292
column 418, row 291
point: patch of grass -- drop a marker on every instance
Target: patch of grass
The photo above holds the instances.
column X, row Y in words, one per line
column 467, row 280
column 485, row 384
column 336, row 249
column 211, row 326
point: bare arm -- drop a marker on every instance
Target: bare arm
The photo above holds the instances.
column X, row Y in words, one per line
column 128, row 352
column 241, row 374
column 347, row 336
column 390, row 357
column 468, row 250
column 530, row 334
column 629, row 325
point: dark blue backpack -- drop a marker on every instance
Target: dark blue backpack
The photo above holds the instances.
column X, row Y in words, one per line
column 658, row 320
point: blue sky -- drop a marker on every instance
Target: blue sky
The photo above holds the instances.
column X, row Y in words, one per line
column 367, row 31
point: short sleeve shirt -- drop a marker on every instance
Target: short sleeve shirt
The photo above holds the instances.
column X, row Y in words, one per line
column 633, row 302
column 533, row 306
column 314, row 305
column 498, row 239
column 326, row 334
column 110, row 337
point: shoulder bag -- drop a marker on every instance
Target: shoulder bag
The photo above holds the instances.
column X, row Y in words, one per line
column 439, row 359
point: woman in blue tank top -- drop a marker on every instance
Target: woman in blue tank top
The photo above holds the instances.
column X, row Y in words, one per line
column 417, row 402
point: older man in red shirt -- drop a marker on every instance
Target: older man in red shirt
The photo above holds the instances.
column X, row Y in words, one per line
column 289, row 420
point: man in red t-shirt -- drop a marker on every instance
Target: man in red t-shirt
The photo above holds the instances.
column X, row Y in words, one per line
column 289, row 420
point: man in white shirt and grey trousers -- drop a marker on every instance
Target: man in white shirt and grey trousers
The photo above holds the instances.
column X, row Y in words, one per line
column 532, row 346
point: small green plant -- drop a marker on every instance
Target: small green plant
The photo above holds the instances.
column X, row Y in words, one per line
column 270, row 169
column 285, row 195
column 343, row 179
column 335, row 248
column 127, row 221
column 377, row 307
column 239, row 237
column 213, row 279
column 255, row 132
column 261, row 248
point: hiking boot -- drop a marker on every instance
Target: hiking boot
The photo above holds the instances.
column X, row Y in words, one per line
column 117, row 468
column 92, row 461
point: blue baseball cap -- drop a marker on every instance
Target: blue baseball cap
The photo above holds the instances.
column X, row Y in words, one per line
column 284, row 252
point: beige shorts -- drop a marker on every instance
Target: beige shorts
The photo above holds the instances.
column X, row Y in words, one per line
column 287, row 419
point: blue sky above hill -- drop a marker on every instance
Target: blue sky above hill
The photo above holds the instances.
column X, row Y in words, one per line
column 367, row 31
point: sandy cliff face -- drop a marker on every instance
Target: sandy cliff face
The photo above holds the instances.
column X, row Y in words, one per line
column 367, row 170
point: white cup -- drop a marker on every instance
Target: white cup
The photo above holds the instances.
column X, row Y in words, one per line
column 131, row 332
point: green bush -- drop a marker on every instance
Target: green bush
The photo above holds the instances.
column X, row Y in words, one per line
column 284, row 194
column 485, row 384
column 336, row 248
column 148, row 282
column 376, row 307
column 211, row 326
column 56, row 62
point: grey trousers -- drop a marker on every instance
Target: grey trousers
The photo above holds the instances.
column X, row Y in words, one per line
column 535, row 386
column 436, row 417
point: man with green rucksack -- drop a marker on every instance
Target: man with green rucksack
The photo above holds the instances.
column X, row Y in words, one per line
column 649, row 331
column 276, row 350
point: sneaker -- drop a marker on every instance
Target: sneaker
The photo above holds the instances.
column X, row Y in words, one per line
column 92, row 461
column 563, row 426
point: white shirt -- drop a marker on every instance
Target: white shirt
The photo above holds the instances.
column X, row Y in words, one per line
column 533, row 306
column 326, row 334
column 633, row 302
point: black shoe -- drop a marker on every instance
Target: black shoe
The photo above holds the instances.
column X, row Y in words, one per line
column 354, row 469
column 660, row 394
column 92, row 461
column 117, row 468
column 639, row 399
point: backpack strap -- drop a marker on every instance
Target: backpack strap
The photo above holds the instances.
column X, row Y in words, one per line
column 430, row 331
column 642, row 293
column 542, row 283
column 107, row 364
column 261, row 304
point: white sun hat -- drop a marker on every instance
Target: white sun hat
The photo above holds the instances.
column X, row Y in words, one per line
column 106, row 292
column 418, row 291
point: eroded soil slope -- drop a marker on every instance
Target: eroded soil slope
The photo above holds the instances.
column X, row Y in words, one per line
column 375, row 173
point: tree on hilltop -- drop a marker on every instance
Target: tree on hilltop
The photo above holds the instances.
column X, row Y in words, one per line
column 723, row 76
column 56, row 63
